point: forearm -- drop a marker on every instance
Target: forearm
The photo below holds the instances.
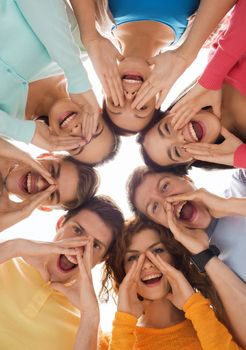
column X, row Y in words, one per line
column 87, row 336
column 232, row 292
column 60, row 45
column 8, row 250
column 236, row 206
column 8, row 150
column 20, row 130
column 208, row 16
column 212, row 334
column 85, row 14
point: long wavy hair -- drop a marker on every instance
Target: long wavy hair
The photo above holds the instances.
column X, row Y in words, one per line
column 114, row 271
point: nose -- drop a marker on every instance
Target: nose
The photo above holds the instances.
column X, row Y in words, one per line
column 147, row 264
column 75, row 130
column 129, row 95
column 41, row 184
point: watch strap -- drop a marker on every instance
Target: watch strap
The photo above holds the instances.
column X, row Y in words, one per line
column 201, row 259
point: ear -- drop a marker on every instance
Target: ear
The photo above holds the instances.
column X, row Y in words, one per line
column 44, row 208
column 60, row 222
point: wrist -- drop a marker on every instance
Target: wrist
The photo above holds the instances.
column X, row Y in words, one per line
column 201, row 259
column 13, row 247
column 90, row 38
column 187, row 54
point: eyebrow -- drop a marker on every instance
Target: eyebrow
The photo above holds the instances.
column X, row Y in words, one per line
column 137, row 251
column 135, row 115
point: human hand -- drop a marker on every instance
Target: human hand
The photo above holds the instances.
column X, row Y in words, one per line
column 168, row 67
column 104, row 57
column 197, row 98
column 218, row 207
column 43, row 138
column 35, row 253
column 81, row 293
column 128, row 300
column 220, row 154
column 12, row 212
column 181, row 290
column 194, row 240
column 88, row 102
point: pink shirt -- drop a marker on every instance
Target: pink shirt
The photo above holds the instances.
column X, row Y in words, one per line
column 240, row 157
column 228, row 61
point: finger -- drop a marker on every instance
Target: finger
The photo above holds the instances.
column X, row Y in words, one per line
column 113, row 93
column 137, row 271
column 181, row 197
column 161, row 98
column 130, row 273
column 82, row 269
column 32, row 203
column 118, row 86
column 42, row 171
column 217, row 109
column 226, row 133
column 88, row 256
column 172, row 222
column 44, row 273
column 59, row 144
column 144, row 90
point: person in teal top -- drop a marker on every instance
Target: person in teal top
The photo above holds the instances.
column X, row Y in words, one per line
column 38, row 64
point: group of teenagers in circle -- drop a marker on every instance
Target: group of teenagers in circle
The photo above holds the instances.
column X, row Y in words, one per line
column 177, row 267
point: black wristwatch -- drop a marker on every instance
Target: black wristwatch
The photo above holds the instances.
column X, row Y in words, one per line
column 201, row 259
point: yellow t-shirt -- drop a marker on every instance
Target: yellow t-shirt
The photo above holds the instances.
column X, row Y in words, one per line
column 32, row 315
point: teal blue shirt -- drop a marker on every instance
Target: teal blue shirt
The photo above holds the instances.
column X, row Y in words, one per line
column 35, row 42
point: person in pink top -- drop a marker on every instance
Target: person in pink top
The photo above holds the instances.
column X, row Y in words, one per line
column 188, row 132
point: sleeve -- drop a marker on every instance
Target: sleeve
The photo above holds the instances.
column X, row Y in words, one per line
column 240, row 157
column 231, row 47
column 123, row 333
column 55, row 34
column 13, row 128
column 212, row 334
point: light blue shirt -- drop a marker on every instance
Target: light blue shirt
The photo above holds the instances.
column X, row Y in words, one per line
column 33, row 36
column 229, row 233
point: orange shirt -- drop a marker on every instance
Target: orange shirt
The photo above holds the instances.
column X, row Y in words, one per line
column 200, row 331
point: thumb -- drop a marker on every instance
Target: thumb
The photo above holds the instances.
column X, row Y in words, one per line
column 225, row 133
column 44, row 273
column 161, row 97
column 217, row 110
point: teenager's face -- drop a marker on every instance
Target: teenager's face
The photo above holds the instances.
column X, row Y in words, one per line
column 152, row 284
column 24, row 182
column 85, row 223
column 133, row 71
column 151, row 194
column 163, row 144
column 65, row 118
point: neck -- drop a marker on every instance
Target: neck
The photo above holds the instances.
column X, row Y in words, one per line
column 42, row 94
column 160, row 314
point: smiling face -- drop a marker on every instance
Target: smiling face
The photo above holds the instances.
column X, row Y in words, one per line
column 85, row 223
column 153, row 284
column 163, row 144
column 151, row 194
column 65, row 118
column 133, row 71
column 23, row 182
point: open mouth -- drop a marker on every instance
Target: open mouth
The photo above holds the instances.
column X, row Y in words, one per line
column 196, row 131
column 185, row 211
column 67, row 263
column 132, row 78
column 66, row 119
column 28, row 183
column 152, row 279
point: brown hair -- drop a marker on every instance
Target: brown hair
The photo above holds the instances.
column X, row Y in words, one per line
column 87, row 184
column 180, row 254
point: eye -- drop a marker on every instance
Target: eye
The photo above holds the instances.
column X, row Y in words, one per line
column 177, row 153
column 167, row 128
column 155, row 207
column 165, row 187
column 52, row 170
column 143, row 108
column 96, row 245
column 132, row 258
column 78, row 231
column 158, row 250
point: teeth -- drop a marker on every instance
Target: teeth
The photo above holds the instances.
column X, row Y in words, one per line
column 150, row 277
column 179, row 208
column 67, row 120
column 132, row 81
column 29, row 182
column 72, row 259
column 192, row 131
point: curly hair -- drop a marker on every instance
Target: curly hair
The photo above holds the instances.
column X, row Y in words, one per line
column 115, row 272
